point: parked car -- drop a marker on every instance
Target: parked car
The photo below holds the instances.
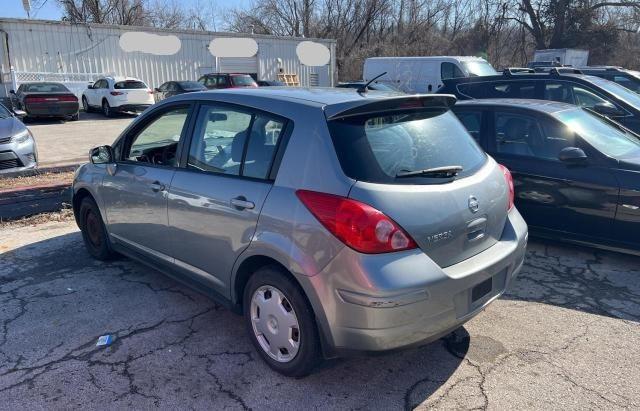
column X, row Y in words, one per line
column 114, row 95
column 575, row 172
column 604, row 96
column 173, row 88
column 373, row 86
column 46, row 100
column 375, row 223
column 424, row 74
column 17, row 147
column 270, row 83
column 222, row 80
column 626, row 78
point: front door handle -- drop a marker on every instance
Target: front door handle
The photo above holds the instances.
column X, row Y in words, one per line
column 241, row 203
column 156, row 186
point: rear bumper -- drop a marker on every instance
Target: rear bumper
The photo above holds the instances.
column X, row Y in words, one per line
column 133, row 108
column 389, row 301
column 52, row 109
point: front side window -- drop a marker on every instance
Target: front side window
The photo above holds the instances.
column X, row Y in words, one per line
column 157, row 143
column 223, row 81
column 585, row 98
column 379, row 147
column 450, row 70
column 529, row 136
column 630, row 82
column 479, row 68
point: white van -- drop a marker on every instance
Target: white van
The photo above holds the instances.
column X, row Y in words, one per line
column 424, row 74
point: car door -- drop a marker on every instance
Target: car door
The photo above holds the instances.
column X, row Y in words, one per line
column 135, row 190
column 216, row 196
column 551, row 194
column 92, row 93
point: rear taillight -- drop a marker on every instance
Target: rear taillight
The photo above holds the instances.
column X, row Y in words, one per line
column 35, row 100
column 116, row 93
column 509, row 178
column 356, row 224
column 68, row 98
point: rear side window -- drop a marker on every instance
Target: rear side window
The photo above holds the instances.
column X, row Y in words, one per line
column 472, row 121
column 500, row 89
column 375, row 148
column 129, row 84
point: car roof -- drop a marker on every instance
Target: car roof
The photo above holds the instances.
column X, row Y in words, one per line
column 544, row 106
column 458, row 58
column 333, row 100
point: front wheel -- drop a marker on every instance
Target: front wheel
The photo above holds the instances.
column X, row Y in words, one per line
column 85, row 105
column 94, row 233
column 280, row 323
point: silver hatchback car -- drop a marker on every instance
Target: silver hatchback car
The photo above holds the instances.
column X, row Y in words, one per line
column 334, row 221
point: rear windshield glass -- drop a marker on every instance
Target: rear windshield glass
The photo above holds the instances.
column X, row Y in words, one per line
column 191, row 85
column 130, row 84
column 376, row 148
column 242, row 81
column 45, row 88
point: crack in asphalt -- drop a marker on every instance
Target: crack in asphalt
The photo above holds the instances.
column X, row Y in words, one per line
column 28, row 276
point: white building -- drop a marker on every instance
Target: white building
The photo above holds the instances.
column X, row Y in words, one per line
column 38, row 50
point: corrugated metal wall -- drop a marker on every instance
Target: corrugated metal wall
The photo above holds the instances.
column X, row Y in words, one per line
column 43, row 46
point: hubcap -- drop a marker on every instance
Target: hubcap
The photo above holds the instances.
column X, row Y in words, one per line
column 275, row 324
column 93, row 229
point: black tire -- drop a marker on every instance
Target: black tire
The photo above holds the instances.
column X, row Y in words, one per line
column 309, row 355
column 106, row 109
column 74, row 117
column 85, row 105
column 94, row 233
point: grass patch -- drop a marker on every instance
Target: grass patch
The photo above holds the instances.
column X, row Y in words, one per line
column 63, row 215
column 65, row 177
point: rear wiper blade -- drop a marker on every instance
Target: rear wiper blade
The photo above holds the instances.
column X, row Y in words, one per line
column 436, row 172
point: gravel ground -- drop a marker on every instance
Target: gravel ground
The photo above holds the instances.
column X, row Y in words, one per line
column 565, row 337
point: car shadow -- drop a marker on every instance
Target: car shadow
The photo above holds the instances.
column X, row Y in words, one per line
column 149, row 313
column 579, row 278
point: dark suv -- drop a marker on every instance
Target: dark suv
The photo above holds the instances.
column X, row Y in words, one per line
column 604, row 96
column 224, row 80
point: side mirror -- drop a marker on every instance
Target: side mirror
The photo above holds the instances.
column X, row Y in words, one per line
column 19, row 113
column 12, row 92
column 90, row 86
column 572, row 155
column 608, row 109
column 101, row 155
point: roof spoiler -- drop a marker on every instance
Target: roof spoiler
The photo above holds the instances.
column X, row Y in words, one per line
column 415, row 102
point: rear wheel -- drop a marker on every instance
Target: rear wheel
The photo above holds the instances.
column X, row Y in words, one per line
column 280, row 323
column 106, row 109
column 94, row 233
column 85, row 105
column 74, row 117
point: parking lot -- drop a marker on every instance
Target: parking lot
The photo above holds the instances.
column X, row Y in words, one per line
column 63, row 143
column 565, row 336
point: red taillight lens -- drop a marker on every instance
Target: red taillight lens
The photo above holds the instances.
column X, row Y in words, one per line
column 509, row 178
column 116, row 93
column 356, row 224
column 68, row 98
column 35, row 100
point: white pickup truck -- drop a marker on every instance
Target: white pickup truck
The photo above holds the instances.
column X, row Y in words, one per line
column 117, row 94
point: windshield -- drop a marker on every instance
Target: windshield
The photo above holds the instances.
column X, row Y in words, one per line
column 129, row 84
column 45, row 88
column 191, row 85
column 601, row 135
column 623, row 93
column 479, row 68
column 243, row 81
column 378, row 147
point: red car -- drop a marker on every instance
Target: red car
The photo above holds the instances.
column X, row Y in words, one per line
column 226, row 80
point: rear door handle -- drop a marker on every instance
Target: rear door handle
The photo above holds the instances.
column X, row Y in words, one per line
column 157, row 186
column 241, row 203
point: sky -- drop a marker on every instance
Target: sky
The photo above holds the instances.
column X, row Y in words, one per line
column 51, row 11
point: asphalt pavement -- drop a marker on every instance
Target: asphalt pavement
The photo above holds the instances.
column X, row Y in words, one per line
column 566, row 336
